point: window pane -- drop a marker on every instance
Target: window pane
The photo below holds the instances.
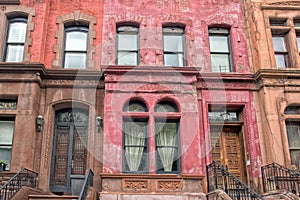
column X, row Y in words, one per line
column 220, row 62
column 135, row 141
column 6, row 132
column 127, row 42
column 17, row 32
column 14, row 53
column 173, row 59
column 165, row 107
column 166, row 143
column 293, row 135
column 219, row 44
column 127, row 58
column 5, row 154
column 295, row 157
column 280, row 61
column 173, row 43
column 135, row 106
column 76, row 41
column 298, row 43
column 279, row 44
column 75, row 60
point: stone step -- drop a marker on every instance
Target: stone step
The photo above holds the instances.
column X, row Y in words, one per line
column 51, row 197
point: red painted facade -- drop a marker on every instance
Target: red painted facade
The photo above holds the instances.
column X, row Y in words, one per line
column 193, row 89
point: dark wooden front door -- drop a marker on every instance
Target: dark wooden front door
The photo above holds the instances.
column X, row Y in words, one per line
column 227, row 149
column 69, row 149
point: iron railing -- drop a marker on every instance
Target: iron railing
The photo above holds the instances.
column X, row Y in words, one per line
column 24, row 177
column 88, row 182
column 218, row 177
column 277, row 177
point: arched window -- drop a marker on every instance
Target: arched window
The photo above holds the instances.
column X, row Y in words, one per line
column 293, row 133
column 135, row 128
column 167, row 138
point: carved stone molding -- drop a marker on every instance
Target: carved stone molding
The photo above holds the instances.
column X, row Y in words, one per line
column 169, row 186
column 135, row 185
column 285, row 3
column 73, row 82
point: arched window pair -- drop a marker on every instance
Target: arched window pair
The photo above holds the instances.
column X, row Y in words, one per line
column 137, row 139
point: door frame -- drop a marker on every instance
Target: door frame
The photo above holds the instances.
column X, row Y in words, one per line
column 239, row 126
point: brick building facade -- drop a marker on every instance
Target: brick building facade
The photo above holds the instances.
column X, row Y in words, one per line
column 146, row 94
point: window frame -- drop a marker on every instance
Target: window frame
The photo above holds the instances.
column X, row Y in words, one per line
column 70, row 29
column 168, row 116
column 128, row 32
column 285, row 53
column 175, row 33
column 9, row 119
column 136, row 116
column 221, row 32
column 6, row 43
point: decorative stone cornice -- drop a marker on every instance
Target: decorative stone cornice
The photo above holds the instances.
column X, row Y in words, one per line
column 292, row 5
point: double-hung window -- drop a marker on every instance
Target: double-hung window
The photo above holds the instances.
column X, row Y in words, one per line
column 75, row 50
column 220, row 50
column 280, row 51
column 15, row 40
column 6, row 137
column 174, row 46
column 127, row 45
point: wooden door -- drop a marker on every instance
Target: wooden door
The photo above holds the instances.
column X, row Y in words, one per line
column 69, row 149
column 227, row 149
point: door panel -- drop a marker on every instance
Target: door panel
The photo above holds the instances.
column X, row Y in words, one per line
column 69, row 149
column 228, row 150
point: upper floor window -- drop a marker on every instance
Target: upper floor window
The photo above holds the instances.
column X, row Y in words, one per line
column 280, row 51
column 75, row 50
column 174, row 46
column 220, row 50
column 127, row 45
column 15, row 40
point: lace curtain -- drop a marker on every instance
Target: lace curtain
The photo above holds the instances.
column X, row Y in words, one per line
column 135, row 137
column 166, row 143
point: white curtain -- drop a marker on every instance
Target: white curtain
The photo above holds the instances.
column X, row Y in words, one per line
column 166, row 141
column 135, row 134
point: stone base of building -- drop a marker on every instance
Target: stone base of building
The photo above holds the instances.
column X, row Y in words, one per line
column 198, row 196
column 151, row 186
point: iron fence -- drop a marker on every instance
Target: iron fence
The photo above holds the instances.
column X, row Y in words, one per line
column 24, row 177
column 218, row 177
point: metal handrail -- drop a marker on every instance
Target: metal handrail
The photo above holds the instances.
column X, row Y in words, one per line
column 276, row 177
column 88, row 182
column 24, row 177
column 218, row 177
